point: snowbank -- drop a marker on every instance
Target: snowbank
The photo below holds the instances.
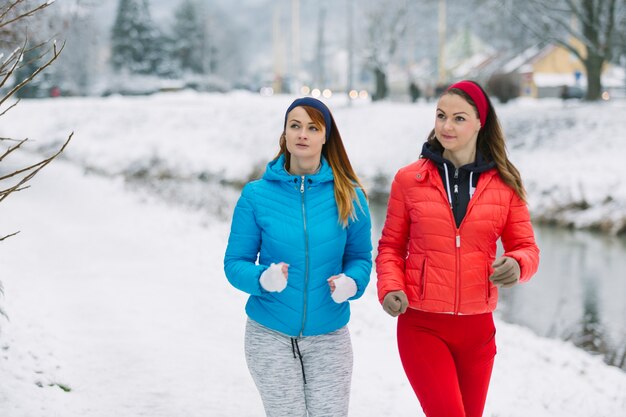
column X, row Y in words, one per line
column 569, row 156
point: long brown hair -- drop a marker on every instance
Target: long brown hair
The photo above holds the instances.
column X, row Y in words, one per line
column 490, row 142
column 346, row 180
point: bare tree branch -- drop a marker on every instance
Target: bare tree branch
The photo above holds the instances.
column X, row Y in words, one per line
column 12, row 12
column 8, row 236
column 9, row 108
column 16, row 57
column 55, row 55
column 35, row 169
column 9, row 8
column 23, row 15
column 8, row 61
column 12, row 190
column 549, row 32
column 11, row 149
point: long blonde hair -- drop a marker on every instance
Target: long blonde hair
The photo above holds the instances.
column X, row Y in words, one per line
column 491, row 143
column 346, row 180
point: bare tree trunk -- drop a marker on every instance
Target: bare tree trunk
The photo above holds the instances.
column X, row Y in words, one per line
column 386, row 29
column 593, row 65
column 381, row 85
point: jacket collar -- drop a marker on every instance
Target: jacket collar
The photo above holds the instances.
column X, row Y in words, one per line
column 275, row 171
column 480, row 164
column 428, row 172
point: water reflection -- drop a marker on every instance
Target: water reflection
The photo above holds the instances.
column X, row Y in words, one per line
column 578, row 294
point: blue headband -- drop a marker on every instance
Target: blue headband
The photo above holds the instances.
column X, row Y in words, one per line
column 316, row 104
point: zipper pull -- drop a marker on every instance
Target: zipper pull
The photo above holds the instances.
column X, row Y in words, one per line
column 456, row 173
column 456, row 188
column 458, row 241
column 302, row 185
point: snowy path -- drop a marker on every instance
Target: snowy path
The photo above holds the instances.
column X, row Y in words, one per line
column 123, row 300
column 117, row 300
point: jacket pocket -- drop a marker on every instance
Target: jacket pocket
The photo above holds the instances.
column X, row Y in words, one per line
column 487, row 283
column 423, row 281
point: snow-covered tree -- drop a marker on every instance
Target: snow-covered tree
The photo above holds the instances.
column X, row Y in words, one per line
column 134, row 46
column 620, row 52
column 77, row 69
column 224, row 56
column 386, row 25
column 190, row 37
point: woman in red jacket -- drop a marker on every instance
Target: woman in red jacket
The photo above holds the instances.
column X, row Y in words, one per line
column 437, row 268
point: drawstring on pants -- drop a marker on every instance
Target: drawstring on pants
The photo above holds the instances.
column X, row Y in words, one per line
column 294, row 348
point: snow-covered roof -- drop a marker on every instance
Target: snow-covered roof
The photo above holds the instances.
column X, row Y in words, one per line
column 524, row 58
column 546, row 79
column 472, row 64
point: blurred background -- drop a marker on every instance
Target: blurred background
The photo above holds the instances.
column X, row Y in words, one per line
column 396, row 49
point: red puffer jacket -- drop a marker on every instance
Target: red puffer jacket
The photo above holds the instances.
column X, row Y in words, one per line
column 440, row 267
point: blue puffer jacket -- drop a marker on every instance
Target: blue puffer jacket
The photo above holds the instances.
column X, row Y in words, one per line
column 293, row 219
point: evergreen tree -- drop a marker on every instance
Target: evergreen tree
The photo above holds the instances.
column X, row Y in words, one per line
column 165, row 64
column 134, row 38
column 190, row 37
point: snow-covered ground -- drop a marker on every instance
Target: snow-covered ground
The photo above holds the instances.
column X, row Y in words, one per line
column 119, row 296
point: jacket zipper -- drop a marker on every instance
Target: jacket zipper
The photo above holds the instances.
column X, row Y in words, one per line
column 306, row 257
column 456, row 192
column 470, row 205
column 457, row 245
column 457, row 294
column 457, row 242
column 457, row 253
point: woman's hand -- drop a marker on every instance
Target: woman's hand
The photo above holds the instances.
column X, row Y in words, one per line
column 274, row 278
column 506, row 272
column 395, row 303
column 342, row 287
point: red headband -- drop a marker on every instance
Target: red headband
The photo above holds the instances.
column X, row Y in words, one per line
column 477, row 96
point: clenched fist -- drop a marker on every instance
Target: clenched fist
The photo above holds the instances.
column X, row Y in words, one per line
column 395, row 303
column 506, row 272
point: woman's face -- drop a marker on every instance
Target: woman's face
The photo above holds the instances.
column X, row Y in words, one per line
column 456, row 124
column 304, row 138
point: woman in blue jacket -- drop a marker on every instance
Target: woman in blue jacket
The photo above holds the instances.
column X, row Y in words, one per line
column 300, row 245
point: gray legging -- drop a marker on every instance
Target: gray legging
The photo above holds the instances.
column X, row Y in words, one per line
column 302, row 376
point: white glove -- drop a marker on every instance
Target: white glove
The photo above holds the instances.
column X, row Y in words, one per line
column 345, row 287
column 274, row 278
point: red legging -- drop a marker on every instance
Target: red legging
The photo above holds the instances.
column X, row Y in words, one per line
column 448, row 360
